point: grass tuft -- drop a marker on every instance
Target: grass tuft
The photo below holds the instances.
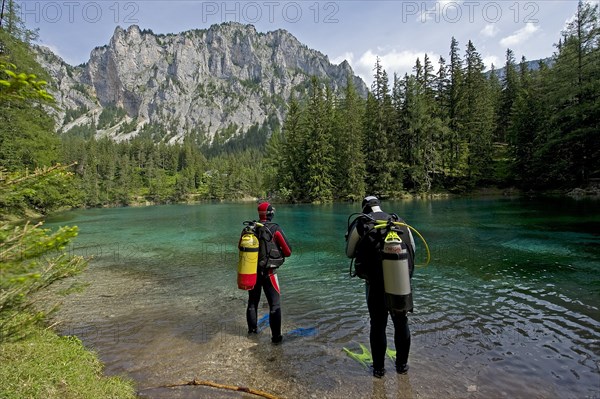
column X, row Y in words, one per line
column 45, row 365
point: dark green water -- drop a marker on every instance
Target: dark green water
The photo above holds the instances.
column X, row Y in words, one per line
column 508, row 307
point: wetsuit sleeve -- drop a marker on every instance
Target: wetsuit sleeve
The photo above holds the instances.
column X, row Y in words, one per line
column 282, row 242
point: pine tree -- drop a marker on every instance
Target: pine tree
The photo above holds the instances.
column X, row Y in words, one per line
column 292, row 172
column 442, row 83
column 123, row 180
column 274, row 161
column 501, row 155
column 27, row 139
column 349, row 170
column 106, row 168
column 423, row 127
column 429, row 80
column 510, row 88
column 13, row 25
column 90, row 180
column 401, row 139
column 319, row 149
column 442, row 99
column 478, row 122
column 380, row 162
column 456, row 110
column 529, row 119
column 570, row 153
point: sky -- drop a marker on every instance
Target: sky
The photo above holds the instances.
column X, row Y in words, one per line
column 398, row 32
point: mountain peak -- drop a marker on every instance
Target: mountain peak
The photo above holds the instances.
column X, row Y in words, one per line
column 228, row 77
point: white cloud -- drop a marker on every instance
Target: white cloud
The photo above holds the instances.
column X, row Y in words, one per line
column 491, row 60
column 348, row 56
column 393, row 61
column 490, row 30
column 519, row 36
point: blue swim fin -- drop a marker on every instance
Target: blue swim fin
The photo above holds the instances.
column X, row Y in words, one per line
column 263, row 322
column 303, row 332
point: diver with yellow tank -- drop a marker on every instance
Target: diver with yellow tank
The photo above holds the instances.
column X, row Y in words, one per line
column 263, row 248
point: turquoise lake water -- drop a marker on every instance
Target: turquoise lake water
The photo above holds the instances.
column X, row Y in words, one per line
column 508, row 306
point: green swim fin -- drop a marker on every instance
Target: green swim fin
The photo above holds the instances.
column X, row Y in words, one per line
column 363, row 358
column 391, row 353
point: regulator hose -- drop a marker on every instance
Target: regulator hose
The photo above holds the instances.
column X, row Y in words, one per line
column 379, row 224
column 383, row 223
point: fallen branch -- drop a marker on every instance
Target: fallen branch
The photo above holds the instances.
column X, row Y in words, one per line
column 252, row 391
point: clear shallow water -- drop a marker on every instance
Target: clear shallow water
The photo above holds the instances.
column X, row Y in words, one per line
column 508, row 307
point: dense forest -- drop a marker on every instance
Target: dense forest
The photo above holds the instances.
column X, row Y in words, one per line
column 449, row 126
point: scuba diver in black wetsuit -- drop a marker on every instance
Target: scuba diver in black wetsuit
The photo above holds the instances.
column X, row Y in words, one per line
column 364, row 243
column 273, row 248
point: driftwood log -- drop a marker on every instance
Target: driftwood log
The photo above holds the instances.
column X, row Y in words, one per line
column 252, row 391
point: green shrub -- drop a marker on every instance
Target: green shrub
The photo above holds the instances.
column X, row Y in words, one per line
column 32, row 259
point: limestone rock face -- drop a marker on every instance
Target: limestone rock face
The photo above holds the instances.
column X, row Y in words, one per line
column 228, row 76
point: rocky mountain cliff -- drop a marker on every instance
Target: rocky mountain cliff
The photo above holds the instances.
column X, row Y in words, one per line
column 226, row 78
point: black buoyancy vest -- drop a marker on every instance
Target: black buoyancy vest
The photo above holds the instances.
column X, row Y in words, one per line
column 368, row 255
column 269, row 253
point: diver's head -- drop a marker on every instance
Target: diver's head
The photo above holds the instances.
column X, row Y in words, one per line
column 265, row 211
column 371, row 204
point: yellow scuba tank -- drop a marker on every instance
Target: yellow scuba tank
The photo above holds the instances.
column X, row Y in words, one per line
column 248, row 259
column 396, row 273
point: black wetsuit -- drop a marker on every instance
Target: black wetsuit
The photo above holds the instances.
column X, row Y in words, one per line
column 264, row 282
column 367, row 255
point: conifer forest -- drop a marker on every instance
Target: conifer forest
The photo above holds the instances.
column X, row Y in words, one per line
column 451, row 126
